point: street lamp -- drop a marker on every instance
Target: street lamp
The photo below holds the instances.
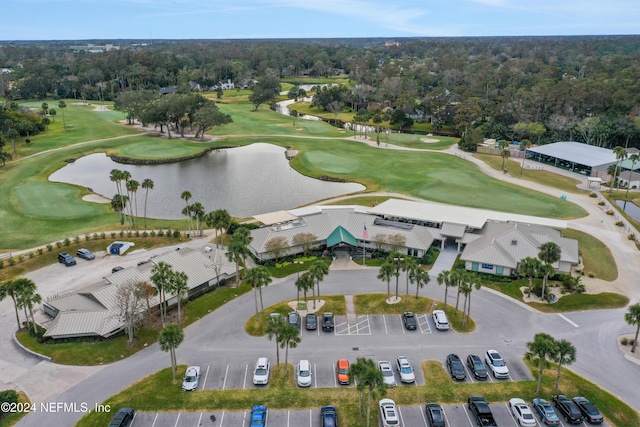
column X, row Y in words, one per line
column 298, row 262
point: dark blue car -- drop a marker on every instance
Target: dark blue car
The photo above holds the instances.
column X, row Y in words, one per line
column 546, row 412
column 328, row 416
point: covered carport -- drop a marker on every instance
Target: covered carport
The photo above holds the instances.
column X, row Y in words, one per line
column 573, row 156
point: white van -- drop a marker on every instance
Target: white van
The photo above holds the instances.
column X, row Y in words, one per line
column 261, row 371
column 440, row 320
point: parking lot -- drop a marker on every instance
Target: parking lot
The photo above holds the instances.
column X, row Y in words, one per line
column 410, row 416
column 374, row 324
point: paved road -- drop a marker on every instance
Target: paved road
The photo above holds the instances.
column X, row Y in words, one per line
column 502, row 324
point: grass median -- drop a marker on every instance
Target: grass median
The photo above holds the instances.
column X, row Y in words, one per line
column 596, row 256
column 283, row 394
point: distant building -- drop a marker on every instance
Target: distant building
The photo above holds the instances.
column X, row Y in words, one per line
column 574, row 156
column 168, row 90
column 91, row 48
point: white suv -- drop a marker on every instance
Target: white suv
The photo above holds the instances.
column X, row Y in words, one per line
column 389, row 413
column 304, row 373
column 496, row 364
column 261, row 371
column 405, row 370
column 440, row 320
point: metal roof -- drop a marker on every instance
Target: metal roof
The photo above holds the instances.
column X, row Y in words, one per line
column 439, row 213
column 452, row 230
column 576, row 152
column 275, row 217
column 340, row 235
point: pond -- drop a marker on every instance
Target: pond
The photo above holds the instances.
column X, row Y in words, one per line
column 629, row 208
column 245, row 181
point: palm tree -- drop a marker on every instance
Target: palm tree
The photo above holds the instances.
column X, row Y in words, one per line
column 26, row 297
column 186, row 195
column 542, row 346
column 632, row 317
column 565, row 355
column 472, row 283
column 234, row 254
column 457, row 278
column 444, row 278
column 116, row 176
column 530, row 267
column 161, row 277
column 409, row 266
column 504, row 146
column 45, row 107
column 170, row 338
column 525, row 144
column 239, row 243
column 317, row 271
column 274, row 329
column 257, row 278
column 634, row 159
column 549, row 254
column 119, row 204
column 8, row 289
column 621, row 154
column 132, row 189
column 374, row 383
column 289, row 338
column 357, row 371
column 180, row 288
column 147, row 185
column 126, row 176
column 396, row 259
column 421, row 278
column 219, row 219
column 62, row 105
column 198, row 213
column 385, row 273
column 304, row 283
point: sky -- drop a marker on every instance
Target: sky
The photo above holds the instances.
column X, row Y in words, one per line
column 251, row 19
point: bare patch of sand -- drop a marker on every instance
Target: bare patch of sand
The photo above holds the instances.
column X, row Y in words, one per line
column 428, row 140
column 95, row 198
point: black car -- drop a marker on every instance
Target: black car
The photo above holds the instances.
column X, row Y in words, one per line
column 311, row 322
column 293, row 318
column 327, row 322
column 435, row 415
column 66, row 259
column 456, row 368
column 85, row 254
column 567, row 409
column 477, row 366
column 116, row 269
column 329, row 416
column 588, row 409
column 123, row 418
column 409, row 320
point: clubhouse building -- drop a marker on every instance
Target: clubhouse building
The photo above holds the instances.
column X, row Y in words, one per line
column 488, row 241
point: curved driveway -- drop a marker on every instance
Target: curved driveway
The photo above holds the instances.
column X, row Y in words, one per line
column 219, row 339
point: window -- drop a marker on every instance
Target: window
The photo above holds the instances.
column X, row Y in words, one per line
column 474, row 266
column 500, row 270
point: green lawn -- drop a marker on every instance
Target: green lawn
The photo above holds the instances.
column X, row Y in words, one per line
column 596, row 256
column 544, row 177
column 282, row 393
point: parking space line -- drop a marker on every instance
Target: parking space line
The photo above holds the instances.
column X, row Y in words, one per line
column 288, row 416
column 222, row 420
column 154, row 420
column 310, row 418
column 385, row 325
column 513, row 418
column 246, row 369
column 466, row 412
column 315, row 377
column 401, row 325
column 335, row 380
column 423, row 417
column 177, row 420
column 401, row 418
column 447, row 418
column 205, row 378
column 200, row 419
column 562, row 316
column 226, row 373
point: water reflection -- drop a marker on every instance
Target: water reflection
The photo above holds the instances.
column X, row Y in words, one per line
column 629, row 208
column 245, row 181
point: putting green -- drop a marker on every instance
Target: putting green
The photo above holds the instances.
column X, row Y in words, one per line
column 332, row 163
column 160, row 149
column 51, row 201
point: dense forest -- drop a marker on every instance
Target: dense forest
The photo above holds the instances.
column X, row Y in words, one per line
column 541, row 88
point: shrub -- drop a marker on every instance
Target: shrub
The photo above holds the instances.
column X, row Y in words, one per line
column 591, row 275
column 21, row 257
column 67, row 242
column 176, row 234
column 609, row 212
column 620, row 223
column 102, row 236
column 31, row 254
column 601, row 203
column 8, row 396
column 129, row 232
column 1, row 263
column 429, row 257
column 160, row 232
column 76, row 239
column 594, row 195
column 40, row 251
column 49, row 247
column 632, row 237
column 624, row 341
column 87, row 237
column 145, row 234
column 95, row 236
column 121, row 233
column 113, row 234
column 153, row 233
column 137, row 233
column 12, row 261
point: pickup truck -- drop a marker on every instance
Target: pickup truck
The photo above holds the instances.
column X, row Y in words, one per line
column 327, row 322
column 481, row 412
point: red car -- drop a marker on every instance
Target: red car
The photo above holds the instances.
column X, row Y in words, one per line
column 342, row 372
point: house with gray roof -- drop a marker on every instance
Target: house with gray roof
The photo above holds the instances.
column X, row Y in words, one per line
column 93, row 310
column 500, row 246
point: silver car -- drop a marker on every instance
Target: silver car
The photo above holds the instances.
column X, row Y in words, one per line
column 304, row 373
column 191, row 378
column 388, row 376
column 405, row 370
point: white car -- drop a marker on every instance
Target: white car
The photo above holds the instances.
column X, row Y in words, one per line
column 440, row 320
column 389, row 413
column 304, row 373
column 522, row 412
column 191, row 378
column 261, row 371
column 388, row 376
column 407, row 375
column 495, row 362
